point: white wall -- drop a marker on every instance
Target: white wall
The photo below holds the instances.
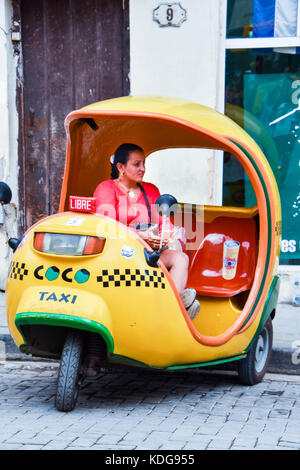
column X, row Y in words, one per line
column 8, row 142
column 175, row 61
column 182, row 62
column 186, row 62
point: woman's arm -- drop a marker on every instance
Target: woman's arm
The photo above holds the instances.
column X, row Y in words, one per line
column 106, row 202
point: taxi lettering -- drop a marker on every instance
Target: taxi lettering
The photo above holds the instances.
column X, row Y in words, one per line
column 67, row 298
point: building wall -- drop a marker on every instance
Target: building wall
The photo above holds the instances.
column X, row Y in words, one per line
column 176, row 61
column 8, row 143
column 182, row 62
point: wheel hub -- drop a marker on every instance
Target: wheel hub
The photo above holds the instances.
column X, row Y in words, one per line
column 261, row 352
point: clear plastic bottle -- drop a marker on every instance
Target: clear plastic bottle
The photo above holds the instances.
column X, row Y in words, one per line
column 296, row 293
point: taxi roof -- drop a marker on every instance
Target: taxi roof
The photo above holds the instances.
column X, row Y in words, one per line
column 95, row 131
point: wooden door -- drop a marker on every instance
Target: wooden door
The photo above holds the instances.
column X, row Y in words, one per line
column 72, row 53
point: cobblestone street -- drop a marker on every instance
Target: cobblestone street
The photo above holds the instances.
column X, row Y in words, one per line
column 149, row 410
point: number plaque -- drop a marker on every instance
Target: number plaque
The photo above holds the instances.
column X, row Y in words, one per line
column 169, row 14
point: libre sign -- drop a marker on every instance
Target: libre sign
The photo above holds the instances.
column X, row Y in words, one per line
column 82, row 204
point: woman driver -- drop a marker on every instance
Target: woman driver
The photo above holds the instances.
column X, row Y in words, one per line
column 122, row 198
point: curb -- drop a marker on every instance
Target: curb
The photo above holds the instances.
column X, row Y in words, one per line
column 280, row 363
column 12, row 352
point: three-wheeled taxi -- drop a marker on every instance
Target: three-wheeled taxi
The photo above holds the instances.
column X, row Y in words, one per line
column 80, row 281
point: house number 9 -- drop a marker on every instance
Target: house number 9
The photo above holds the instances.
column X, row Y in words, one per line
column 169, row 14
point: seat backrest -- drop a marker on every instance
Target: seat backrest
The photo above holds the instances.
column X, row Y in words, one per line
column 206, row 262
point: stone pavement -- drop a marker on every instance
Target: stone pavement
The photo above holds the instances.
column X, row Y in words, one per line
column 137, row 410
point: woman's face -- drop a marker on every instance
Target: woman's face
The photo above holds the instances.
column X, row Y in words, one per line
column 134, row 169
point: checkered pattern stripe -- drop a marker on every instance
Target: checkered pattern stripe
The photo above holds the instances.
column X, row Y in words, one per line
column 131, row 278
column 17, row 270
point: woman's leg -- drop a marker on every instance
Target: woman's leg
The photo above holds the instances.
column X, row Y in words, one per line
column 177, row 263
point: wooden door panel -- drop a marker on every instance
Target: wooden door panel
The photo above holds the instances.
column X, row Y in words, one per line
column 74, row 53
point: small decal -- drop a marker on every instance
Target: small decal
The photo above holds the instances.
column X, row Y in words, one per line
column 23, row 240
column 75, row 220
column 127, row 251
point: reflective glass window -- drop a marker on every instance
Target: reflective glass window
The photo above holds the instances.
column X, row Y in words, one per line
column 262, row 18
column 263, row 96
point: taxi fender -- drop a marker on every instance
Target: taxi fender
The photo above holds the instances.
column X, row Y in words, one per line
column 67, row 307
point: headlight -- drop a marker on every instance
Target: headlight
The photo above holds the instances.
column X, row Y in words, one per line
column 68, row 244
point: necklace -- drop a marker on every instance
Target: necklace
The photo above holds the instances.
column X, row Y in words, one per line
column 130, row 192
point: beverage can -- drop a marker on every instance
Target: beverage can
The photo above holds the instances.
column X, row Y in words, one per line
column 230, row 258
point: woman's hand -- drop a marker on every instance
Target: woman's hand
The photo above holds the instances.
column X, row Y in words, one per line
column 152, row 238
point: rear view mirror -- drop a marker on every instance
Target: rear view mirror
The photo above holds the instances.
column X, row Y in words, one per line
column 166, row 205
column 5, row 193
column 5, row 198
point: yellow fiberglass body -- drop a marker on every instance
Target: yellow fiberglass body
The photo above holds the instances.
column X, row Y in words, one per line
column 130, row 304
column 135, row 307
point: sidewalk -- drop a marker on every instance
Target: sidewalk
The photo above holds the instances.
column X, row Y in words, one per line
column 286, row 341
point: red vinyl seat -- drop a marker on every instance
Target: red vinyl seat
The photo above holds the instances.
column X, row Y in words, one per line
column 206, row 263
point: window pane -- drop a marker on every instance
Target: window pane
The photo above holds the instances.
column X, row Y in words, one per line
column 261, row 87
column 262, row 18
column 187, row 174
column 239, row 18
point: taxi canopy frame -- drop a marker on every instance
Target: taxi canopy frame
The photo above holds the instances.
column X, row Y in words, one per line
column 156, row 123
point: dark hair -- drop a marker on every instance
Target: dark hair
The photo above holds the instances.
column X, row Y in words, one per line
column 121, row 156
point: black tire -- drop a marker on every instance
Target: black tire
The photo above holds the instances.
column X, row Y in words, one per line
column 67, row 388
column 253, row 368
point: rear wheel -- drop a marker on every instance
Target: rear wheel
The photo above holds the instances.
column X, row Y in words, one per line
column 67, row 388
column 253, row 368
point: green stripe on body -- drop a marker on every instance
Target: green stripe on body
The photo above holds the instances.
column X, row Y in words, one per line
column 70, row 321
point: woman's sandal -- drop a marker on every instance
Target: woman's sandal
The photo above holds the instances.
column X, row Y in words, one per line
column 194, row 310
column 192, row 306
column 188, row 296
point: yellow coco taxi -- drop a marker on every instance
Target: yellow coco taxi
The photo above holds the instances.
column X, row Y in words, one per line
column 79, row 281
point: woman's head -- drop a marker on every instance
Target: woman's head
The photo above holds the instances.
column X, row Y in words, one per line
column 128, row 162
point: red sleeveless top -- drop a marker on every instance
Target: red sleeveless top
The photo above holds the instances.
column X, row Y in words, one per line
column 115, row 203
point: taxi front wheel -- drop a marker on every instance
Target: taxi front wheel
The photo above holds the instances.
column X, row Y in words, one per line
column 68, row 381
column 253, row 368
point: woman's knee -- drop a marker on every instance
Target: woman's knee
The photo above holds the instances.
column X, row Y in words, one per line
column 177, row 259
column 181, row 259
column 184, row 259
